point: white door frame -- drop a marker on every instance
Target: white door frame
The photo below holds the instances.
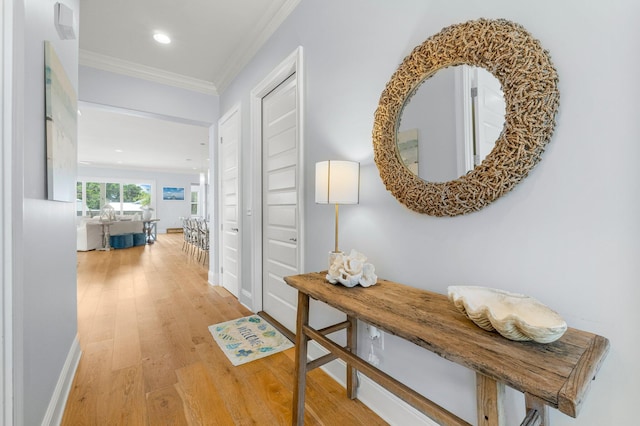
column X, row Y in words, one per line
column 6, row 206
column 464, row 123
column 293, row 63
column 212, row 208
column 11, row 201
column 218, row 222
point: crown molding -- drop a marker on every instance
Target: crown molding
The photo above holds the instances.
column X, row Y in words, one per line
column 243, row 56
column 131, row 69
column 110, row 166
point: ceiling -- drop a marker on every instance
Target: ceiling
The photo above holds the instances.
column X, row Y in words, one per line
column 113, row 138
column 212, row 40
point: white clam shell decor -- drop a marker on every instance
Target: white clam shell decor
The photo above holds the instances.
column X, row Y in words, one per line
column 352, row 270
column 514, row 316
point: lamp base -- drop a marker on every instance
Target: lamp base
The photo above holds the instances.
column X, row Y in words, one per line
column 333, row 255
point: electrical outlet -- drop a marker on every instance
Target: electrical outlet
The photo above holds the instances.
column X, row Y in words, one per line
column 374, row 333
column 380, row 340
column 376, row 336
column 376, row 345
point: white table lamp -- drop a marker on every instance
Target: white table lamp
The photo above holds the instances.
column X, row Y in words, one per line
column 337, row 182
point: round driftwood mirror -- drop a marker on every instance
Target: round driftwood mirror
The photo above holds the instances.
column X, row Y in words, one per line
column 529, row 83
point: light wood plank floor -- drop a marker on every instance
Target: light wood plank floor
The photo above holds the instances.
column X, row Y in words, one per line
column 148, row 357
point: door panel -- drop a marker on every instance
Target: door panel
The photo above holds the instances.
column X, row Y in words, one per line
column 281, row 179
column 282, row 218
column 283, row 142
column 282, row 198
column 285, row 293
column 280, row 201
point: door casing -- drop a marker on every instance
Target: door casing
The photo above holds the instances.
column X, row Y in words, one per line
column 234, row 110
column 292, row 64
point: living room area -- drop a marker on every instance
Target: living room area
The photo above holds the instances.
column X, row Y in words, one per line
column 133, row 179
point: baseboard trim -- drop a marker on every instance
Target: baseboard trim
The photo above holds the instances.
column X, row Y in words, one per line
column 53, row 416
column 213, row 278
column 389, row 407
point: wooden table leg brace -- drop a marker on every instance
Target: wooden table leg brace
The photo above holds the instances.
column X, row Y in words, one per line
column 304, row 333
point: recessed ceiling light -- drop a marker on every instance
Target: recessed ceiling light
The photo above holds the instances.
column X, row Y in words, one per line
column 162, row 38
column 118, row 150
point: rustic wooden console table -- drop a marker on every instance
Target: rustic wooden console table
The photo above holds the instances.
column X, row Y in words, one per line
column 555, row 375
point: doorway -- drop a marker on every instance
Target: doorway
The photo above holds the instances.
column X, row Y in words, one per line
column 229, row 214
column 480, row 115
column 277, row 142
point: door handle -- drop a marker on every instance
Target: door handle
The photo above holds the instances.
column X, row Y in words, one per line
column 295, row 240
column 235, row 229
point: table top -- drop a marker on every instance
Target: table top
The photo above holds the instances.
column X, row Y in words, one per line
column 560, row 373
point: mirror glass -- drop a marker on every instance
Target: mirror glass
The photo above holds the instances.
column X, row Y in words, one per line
column 450, row 123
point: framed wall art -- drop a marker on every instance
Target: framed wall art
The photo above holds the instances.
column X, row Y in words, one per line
column 171, row 193
column 61, row 118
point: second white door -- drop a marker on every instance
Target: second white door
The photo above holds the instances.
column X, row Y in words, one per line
column 229, row 136
column 280, row 209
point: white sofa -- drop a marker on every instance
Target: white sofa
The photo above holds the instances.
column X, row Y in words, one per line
column 89, row 231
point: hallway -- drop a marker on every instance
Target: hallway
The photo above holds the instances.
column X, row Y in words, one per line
column 148, row 358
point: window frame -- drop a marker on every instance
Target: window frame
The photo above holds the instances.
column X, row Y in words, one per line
column 118, row 206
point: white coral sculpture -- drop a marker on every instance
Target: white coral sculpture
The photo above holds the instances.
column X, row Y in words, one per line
column 352, row 270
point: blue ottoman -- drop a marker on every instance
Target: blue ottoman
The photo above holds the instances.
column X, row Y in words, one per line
column 117, row 241
column 127, row 240
column 139, row 239
column 121, row 241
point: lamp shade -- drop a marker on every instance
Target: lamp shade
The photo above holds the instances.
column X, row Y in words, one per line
column 337, row 182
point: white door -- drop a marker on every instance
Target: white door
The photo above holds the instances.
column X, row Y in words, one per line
column 280, row 210
column 228, row 154
column 490, row 110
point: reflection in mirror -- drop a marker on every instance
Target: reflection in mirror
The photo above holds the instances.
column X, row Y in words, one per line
column 451, row 123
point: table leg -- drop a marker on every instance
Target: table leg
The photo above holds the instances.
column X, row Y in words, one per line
column 534, row 403
column 106, row 237
column 299, row 386
column 147, row 228
column 490, row 401
column 352, row 344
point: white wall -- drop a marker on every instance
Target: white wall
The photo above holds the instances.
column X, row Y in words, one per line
column 44, row 261
column 107, row 88
column 168, row 211
column 567, row 235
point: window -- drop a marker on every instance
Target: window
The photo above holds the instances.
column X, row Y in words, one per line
column 79, row 203
column 134, row 196
column 92, row 198
column 195, row 191
column 125, row 197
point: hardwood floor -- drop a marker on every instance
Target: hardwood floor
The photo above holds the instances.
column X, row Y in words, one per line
column 148, row 357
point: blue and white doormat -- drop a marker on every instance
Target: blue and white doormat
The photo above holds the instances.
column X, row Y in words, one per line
column 249, row 338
